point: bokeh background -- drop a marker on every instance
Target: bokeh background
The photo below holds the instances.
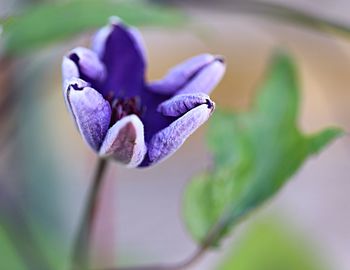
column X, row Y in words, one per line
column 46, row 168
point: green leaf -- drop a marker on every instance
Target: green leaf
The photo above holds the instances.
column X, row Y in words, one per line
column 273, row 247
column 46, row 23
column 9, row 258
column 319, row 140
column 255, row 153
column 25, row 244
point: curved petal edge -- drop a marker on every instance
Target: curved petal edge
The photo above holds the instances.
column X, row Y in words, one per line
column 91, row 112
column 125, row 141
column 167, row 141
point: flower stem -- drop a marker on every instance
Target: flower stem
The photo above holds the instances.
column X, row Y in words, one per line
column 180, row 266
column 208, row 241
column 80, row 259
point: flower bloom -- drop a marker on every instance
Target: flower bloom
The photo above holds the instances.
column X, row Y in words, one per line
column 119, row 114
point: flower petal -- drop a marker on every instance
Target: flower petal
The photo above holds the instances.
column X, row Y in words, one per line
column 125, row 141
column 183, row 74
column 85, row 64
column 100, row 38
column 122, row 51
column 168, row 140
column 180, row 104
column 69, row 71
column 74, row 83
column 206, row 80
column 91, row 112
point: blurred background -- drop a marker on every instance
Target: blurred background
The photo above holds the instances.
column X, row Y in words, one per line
column 45, row 167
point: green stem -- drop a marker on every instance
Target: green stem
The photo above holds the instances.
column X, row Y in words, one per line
column 206, row 244
column 187, row 264
column 80, row 260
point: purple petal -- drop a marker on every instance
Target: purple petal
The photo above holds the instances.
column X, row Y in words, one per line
column 125, row 141
column 91, row 112
column 69, row 71
column 85, row 64
column 168, row 140
column 100, row 38
column 206, row 80
column 139, row 42
column 184, row 73
column 180, row 104
column 75, row 83
column 121, row 50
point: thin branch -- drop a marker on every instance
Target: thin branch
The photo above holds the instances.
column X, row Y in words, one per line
column 80, row 257
column 295, row 15
column 181, row 266
column 280, row 12
column 206, row 244
column 209, row 241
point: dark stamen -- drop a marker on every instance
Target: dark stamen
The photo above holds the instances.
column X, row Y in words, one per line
column 122, row 107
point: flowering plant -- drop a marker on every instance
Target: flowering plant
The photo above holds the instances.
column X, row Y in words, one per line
column 120, row 115
column 123, row 116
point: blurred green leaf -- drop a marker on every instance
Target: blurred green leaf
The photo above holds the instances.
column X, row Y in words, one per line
column 30, row 246
column 273, row 247
column 46, row 23
column 255, row 154
column 9, row 258
column 52, row 245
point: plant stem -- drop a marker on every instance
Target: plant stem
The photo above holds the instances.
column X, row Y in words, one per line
column 208, row 242
column 80, row 260
column 181, row 266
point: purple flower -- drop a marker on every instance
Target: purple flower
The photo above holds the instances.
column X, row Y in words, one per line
column 122, row 116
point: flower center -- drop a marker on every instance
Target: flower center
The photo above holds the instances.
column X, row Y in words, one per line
column 122, row 107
